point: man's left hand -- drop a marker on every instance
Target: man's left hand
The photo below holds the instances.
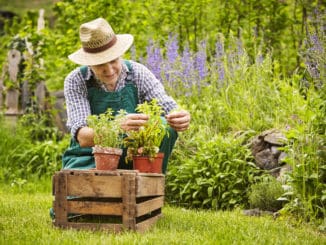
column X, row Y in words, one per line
column 179, row 120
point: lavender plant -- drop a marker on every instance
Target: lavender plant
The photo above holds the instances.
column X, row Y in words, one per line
column 154, row 59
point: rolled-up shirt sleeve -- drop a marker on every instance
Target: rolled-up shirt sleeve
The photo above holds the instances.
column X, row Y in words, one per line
column 78, row 107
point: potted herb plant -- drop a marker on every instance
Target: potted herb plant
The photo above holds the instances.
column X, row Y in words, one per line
column 108, row 139
column 143, row 144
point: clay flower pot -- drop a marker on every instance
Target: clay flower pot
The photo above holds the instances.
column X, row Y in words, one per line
column 144, row 164
column 106, row 158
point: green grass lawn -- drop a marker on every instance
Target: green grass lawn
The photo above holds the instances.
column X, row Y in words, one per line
column 24, row 219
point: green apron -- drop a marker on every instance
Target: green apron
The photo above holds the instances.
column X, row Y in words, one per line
column 77, row 157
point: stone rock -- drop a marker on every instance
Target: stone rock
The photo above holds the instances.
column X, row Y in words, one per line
column 283, row 172
column 266, row 160
column 275, row 138
column 259, row 212
column 265, row 149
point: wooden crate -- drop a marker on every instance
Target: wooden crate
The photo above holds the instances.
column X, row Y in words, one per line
column 107, row 200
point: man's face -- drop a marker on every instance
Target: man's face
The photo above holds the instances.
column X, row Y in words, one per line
column 108, row 73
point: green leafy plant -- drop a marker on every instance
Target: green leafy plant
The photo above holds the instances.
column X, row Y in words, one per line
column 216, row 174
column 146, row 140
column 264, row 195
column 25, row 153
column 107, row 128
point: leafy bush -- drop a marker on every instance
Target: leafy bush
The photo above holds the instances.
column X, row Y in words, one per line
column 216, row 176
column 22, row 156
column 264, row 195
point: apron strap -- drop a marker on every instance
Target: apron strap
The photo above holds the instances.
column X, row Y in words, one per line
column 83, row 70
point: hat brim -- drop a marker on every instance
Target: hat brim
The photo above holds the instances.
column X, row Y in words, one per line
column 124, row 41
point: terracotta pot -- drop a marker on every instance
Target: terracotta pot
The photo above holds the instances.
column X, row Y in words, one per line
column 106, row 158
column 144, row 165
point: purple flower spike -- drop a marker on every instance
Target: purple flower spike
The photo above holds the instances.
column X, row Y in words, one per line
column 316, row 45
column 187, row 65
column 240, row 47
column 172, row 49
column 154, row 59
column 219, row 50
column 200, row 61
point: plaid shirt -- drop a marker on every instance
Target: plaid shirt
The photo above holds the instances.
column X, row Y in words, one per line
column 75, row 91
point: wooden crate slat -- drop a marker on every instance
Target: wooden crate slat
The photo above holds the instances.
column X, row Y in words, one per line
column 53, row 184
column 60, row 207
column 93, row 226
column 145, row 225
column 93, row 185
column 129, row 200
column 150, row 186
column 92, row 172
column 148, row 206
column 97, row 208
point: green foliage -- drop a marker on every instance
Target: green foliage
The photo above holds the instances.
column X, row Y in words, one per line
column 146, row 140
column 29, row 150
column 264, row 195
column 306, row 151
column 42, row 158
column 38, row 126
column 277, row 25
column 107, row 128
column 31, row 46
column 274, row 25
column 306, row 155
column 20, row 7
column 216, row 175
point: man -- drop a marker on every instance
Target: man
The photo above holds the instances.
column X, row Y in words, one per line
column 106, row 80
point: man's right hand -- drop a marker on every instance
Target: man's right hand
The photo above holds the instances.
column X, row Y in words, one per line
column 134, row 121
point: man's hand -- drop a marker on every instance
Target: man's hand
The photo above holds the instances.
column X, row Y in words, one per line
column 179, row 120
column 134, row 121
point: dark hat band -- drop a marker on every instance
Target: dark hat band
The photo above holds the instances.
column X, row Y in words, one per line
column 102, row 48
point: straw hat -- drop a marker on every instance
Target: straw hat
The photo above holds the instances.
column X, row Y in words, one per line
column 100, row 43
